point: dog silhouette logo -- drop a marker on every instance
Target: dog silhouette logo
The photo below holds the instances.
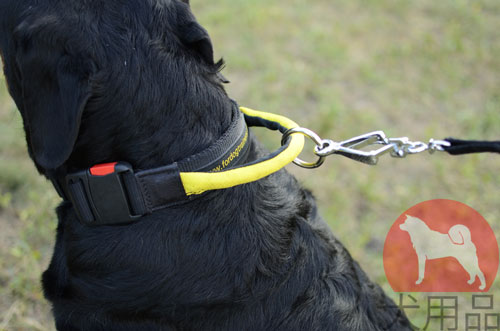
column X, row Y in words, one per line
column 429, row 245
column 441, row 246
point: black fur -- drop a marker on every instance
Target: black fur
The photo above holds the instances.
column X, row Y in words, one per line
column 105, row 80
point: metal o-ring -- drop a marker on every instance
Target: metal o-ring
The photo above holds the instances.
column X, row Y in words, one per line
column 311, row 135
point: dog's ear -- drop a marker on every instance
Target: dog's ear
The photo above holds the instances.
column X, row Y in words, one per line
column 193, row 35
column 55, row 90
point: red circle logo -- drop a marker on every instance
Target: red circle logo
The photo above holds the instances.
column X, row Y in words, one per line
column 441, row 246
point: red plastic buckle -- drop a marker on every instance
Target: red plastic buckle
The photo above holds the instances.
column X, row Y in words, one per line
column 103, row 169
column 104, row 192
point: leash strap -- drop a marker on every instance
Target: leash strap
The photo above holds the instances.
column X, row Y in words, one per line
column 459, row 147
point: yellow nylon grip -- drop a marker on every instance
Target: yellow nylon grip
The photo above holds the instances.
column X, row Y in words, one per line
column 199, row 182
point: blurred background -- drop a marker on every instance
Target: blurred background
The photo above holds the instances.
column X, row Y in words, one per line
column 423, row 69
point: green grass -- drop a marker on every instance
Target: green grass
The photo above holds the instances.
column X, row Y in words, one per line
column 418, row 68
column 27, row 224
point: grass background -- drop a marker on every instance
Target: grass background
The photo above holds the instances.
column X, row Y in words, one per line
column 345, row 67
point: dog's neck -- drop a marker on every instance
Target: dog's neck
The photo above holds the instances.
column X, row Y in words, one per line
column 166, row 124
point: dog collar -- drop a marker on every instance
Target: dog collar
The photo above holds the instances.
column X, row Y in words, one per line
column 113, row 193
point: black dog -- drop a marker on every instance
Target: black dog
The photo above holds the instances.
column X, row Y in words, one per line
column 104, row 80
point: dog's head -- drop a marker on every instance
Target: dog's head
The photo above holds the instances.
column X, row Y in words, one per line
column 411, row 224
column 66, row 61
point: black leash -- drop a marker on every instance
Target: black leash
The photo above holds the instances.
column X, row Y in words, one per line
column 459, row 147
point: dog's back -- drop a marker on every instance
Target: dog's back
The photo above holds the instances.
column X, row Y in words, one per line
column 434, row 244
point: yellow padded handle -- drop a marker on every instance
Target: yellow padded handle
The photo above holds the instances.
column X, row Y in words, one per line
column 199, row 182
